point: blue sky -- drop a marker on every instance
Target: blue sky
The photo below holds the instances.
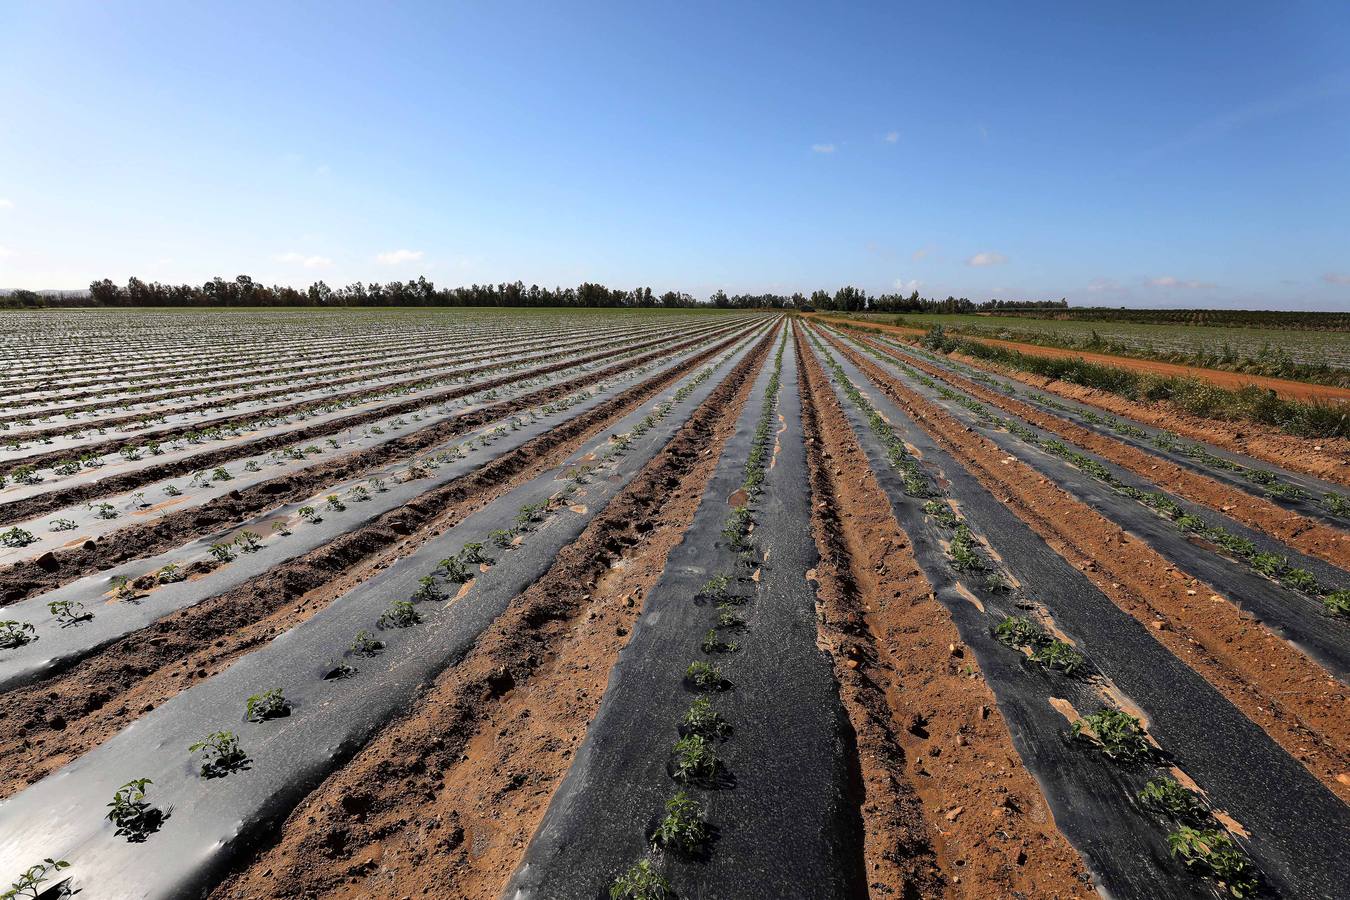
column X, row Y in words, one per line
column 1142, row 154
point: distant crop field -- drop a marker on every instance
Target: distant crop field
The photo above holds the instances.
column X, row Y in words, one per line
column 1309, row 348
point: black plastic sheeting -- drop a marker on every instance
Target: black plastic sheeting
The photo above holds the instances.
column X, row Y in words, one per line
column 213, row 821
column 57, row 648
column 1301, row 620
column 1080, row 414
column 786, row 826
column 1299, row 830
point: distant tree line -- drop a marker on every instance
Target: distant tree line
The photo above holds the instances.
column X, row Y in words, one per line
column 244, row 291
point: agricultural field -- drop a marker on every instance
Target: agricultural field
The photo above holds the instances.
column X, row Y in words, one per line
column 1276, row 351
column 640, row 604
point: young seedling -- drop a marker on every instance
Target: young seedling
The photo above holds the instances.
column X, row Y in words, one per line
column 529, row 514
column 133, row 815
column 61, row 525
column 270, row 704
column 252, row 466
column 222, row 754
column 358, row 494
column 1214, row 853
column 427, row 589
column 1338, row 603
column 172, row 491
column 641, row 882
column 684, row 830
column 455, row 570
column 14, row 633
column 170, row 573
column 339, row 670
column 702, row 719
column 400, row 614
column 69, row 612
column 705, row 676
column 1166, row 797
column 26, row 885
column 715, row 588
column 502, row 537
column 16, row 537
column 713, row 643
column 736, row 529
column 220, row 473
column 963, row 554
column 249, row 541
column 1019, row 631
column 335, row 502
column 377, row 485
column 365, row 644
column 1116, row 734
column 309, row 514
column 223, row 551
column 281, row 528
column 472, row 553
column 104, row 510
column 727, row 618
column 695, row 761
column 1062, row 657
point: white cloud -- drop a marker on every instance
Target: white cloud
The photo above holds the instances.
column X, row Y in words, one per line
column 5, row 252
column 309, row 262
column 822, row 148
column 892, row 137
column 988, row 258
column 1167, row 281
column 6, row 203
column 906, row 287
column 396, row 257
column 1336, row 278
column 922, row 252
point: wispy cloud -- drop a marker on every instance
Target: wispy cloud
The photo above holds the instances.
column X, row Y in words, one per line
column 923, row 251
column 398, row 257
column 906, row 287
column 892, row 137
column 1100, row 285
column 988, row 258
column 822, row 148
column 1336, row 278
column 309, row 262
column 6, row 203
column 1168, row 281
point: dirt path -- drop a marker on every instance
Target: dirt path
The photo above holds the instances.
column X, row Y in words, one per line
column 1291, row 390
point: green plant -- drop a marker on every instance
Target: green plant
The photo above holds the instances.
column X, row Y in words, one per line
column 281, row 528
column 455, row 570
column 399, row 614
column 705, row 676
column 684, row 829
column 248, row 541
column 62, row 524
column 529, row 514
column 472, row 552
column 104, row 510
column 1338, row 603
column 219, row 473
column 641, row 882
column 270, row 704
column 727, row 618
column 1019, row 631
column 223, row 754
column 172, row 491
column 502, row 537
column 309, row 514
column 1062, row 657
column 427, row 589
column 1166, row 797
column 170, row 573
column 963, row 555
column 16, row 537
column 223, row 551
column 68, row 612
column 15, row 634
column 133, row 815
column 702, row 719
column 713, row 643
column 335, row 502
column 365, row 644
column 1214, row 853
column 695, row 760
column 736, row 529
column 26, row 885
column 715, row 588
column 359, row 494
column 1116, row 734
